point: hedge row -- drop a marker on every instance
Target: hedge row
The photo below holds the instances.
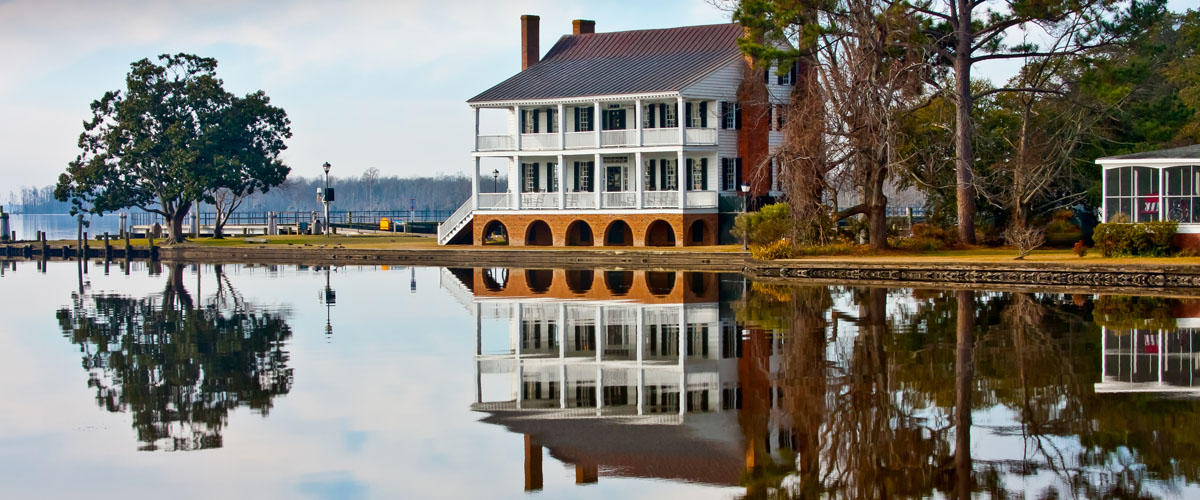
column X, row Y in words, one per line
column 1151, row 239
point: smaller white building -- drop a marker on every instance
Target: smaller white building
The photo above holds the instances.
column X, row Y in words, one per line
column 1161, row 185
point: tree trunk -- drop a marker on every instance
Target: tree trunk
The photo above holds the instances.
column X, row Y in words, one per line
column 877, row 209
column 963, row 386
column 965, row 157
column 176, row 220
column 219, row 225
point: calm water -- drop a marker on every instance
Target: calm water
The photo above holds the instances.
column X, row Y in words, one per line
column 369, row 382
column 61, row 226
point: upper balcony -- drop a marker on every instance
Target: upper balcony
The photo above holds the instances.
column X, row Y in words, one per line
column 621, row 124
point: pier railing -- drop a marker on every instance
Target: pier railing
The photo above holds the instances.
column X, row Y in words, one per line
column 283, row 218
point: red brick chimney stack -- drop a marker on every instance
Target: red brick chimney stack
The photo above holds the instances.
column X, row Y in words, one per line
column 582, row 26
column 529, row 41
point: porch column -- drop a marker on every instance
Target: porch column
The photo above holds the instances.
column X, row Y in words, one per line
column 1162, row 198
column 517, row 126
column 475, row 175
column 598, row 181
column 562, row 132
column 599, row 356
column 638, row 173
column 514, row 183
column 478, row 351
column 637, row 125
column 679, row 120
column 1104, row 194
column 596, row 121
column 562, row 356
column 476, row 129
column 1104, row 354
column 561, row 175
column 683, row 338
column 520, row 372
column 682, row 180
column 640, row 336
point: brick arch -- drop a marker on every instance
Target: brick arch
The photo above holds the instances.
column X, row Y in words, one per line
column 494, row 226
column 660, row 233
column 697, row 233
column 618, row 234
column 579, row 234
column 537, row 233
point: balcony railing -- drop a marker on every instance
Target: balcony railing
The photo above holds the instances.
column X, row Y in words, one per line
column 496, row 143
column 495, row 201
column 660, row 199
column 539, row 200
column 581, row 200
column 702, row 199
column 702, row 136
column 620, row 199
column 660, row 136
column 580, row 140
column 539, row 142
column 618, row 138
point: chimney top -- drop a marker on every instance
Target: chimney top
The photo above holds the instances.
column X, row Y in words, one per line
column 529, row 41
column 582, row 26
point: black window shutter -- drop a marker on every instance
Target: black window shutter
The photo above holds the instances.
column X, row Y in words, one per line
column 577, row 122
column 650, row 112
column 737, row 173
column 688, row 172
column 703, row 114
column 737, row 117
column 522, row 124
column 704, row 174
column 591, row 115
column 650, row 187
column 724, row 112
column 767, row 74
column 604, row 120
column 537, row 170
column 794, row 72
column 662, row 115
column 575, row 169
column 677, row 120
column 591, row 181
column 536, row 114
column 687, row 118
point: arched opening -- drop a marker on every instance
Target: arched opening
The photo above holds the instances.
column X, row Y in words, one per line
column 539, row 280
column 538, row 234
column 580, row 281
column 494, row 233
column 697, row 283
column 618, row 282
column 495, row 279
column 660, row 282
column 696, row 232
column 660, row 234
column 618, row 234
column 579, row 234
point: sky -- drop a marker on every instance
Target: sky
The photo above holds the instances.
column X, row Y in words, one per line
column 367, row 84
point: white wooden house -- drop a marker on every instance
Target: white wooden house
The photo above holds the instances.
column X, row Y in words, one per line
column 635, row 138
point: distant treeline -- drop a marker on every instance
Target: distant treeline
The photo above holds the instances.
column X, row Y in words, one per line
column 368, row 192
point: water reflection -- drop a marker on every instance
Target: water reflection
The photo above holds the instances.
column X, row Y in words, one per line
column 838, row 391
column 177, row 366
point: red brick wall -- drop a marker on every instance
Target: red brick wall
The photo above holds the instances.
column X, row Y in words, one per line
column 518, row 223
column 1191, row 241
column 754, row 139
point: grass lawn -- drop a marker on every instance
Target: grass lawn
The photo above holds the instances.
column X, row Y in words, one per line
column 1000, row 255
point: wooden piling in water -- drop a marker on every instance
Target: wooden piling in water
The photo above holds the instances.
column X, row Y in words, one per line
column 107, row 248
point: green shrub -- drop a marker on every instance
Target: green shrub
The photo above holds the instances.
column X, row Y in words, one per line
column 767, row 225
column 1149, row 239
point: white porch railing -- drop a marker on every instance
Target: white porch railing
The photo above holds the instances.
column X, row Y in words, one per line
column 660, row 199
column 495, row 201
column 618, row 137
column 539, row 142
column 539, row 200
column 581, row 200
column 496, row 143
column 620, row 199
column 580, row 140
column 660, row 136
column 702, row 199
column 452, row 224
column 701, row 136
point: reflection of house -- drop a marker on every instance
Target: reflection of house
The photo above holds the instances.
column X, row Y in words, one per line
column 1154, row 186
column 633, row 138
column 628, row 373
column 1154, row 359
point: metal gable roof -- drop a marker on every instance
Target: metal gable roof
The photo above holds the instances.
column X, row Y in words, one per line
column 624, row 62
column 1186, row 152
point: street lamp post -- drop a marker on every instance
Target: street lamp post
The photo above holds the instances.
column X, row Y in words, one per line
column 745, row 208
column 325, row 197
column 495, row 180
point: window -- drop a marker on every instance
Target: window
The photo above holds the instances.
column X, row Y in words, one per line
column 1132, row 194
column 583, row 119
column 694, row 114
column 552, row 177
column 698, row 171
column 585, row 177
column 552, row 121
column 529, row 183
column 731, row 115
column 781, row 111
column 648, row 116
column 1183, row 193
column 528, row 121
column 669, row 121
column 731, row 174
column 774, row 175
column 670, row 176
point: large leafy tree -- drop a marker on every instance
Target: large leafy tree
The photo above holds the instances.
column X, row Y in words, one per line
column 170, row 138
column 247, row 145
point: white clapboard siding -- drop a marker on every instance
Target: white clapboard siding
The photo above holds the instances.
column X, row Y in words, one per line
column 721, row 84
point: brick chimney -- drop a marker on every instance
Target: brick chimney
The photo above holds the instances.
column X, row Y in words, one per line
column 582, row 26
column 529, row 41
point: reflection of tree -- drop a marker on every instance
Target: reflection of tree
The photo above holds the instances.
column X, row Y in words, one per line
column 177, row 368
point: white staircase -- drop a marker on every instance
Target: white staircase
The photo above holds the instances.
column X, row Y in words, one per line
column 456, row 222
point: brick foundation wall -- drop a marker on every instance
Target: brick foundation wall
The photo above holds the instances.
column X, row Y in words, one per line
column 1188, row 240
column 668, row 287
column 681, row 225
